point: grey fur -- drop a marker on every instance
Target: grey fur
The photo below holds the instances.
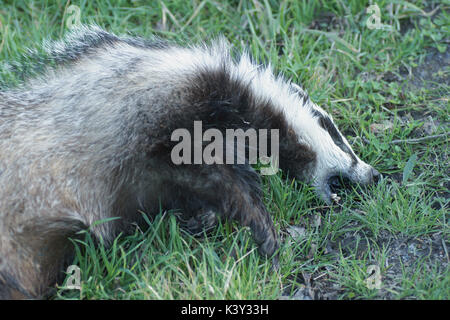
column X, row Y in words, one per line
column 90, row 139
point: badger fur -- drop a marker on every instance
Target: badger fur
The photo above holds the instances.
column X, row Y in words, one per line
column 90, row 139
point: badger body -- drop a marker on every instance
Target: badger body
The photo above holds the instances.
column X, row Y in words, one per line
column 90, row 139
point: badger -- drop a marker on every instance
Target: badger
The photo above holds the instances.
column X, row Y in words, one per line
column 89, row 139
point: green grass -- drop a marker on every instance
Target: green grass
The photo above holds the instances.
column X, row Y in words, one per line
column 362, row 77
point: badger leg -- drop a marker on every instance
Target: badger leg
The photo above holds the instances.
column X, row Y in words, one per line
column 35, row 256
column 10, row 289
column 231, row 192
column 248, row 209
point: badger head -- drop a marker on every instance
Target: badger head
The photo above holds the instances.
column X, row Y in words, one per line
column 314, row 149
column 334, row 156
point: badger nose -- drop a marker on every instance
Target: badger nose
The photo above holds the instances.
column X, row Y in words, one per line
column 375, row 175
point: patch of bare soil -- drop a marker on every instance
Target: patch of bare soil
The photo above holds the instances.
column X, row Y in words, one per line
column 430, row 73
column 402, row 256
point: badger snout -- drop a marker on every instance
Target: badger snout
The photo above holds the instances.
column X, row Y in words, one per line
column 362, row 175
column 366, row 175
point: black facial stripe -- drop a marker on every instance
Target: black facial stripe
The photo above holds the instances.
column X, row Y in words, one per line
column 303, row 95
column 316, row 113
column 329, row 126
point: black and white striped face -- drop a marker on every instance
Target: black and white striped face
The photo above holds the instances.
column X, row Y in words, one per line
column 313, row 128
column 334, row 156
